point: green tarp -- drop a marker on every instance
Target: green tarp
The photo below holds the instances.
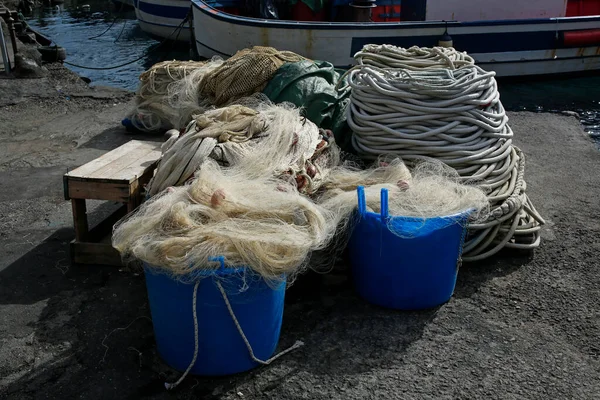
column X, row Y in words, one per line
column 312, row 86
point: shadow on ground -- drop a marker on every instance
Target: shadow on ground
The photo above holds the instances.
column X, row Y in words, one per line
column 117, row 136
column 475, row 274
column 94, row 338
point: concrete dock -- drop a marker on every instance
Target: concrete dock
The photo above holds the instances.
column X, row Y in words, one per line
column 518, row 327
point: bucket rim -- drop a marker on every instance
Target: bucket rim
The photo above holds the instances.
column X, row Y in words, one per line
column 456, row 216
column 222, row 270
column 384, row 213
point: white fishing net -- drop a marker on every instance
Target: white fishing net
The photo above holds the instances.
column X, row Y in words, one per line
column 259, row 184
column 246, row 72
column 254, row 218
column 297, row 149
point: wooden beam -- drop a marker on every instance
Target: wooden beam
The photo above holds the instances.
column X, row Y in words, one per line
column 80, row 222
column 119, row 192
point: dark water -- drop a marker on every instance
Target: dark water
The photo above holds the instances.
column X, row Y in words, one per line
column 73, row 27
column 581, row 95
column 70, row 26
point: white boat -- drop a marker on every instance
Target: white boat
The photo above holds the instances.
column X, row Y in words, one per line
column 164, row 19
column 533, row 37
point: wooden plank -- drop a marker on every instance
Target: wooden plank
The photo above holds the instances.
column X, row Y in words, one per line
column 129, row 166
column 66, row 187
column 80, row 222
column 88, row 169
column 149, row 168
column 137, row 187
column 132, row 205
column 99, row 191
column 145, row 178
column 144, row 165
column 94, row 253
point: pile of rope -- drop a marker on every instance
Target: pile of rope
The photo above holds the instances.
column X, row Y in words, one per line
column 248, row 71
column 454, row 116
column 169, row 94
column 229, row 135
column 414, row 58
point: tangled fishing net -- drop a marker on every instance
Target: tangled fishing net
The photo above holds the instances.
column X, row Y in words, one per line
column 169, row 94
column 413, row 58
column 261, row 222
column 252, row 218
column 454, row 116
column 248, row 71
column 430, row 190
column 299, row 151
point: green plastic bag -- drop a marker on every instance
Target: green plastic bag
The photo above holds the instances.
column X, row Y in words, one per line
column 312, row 86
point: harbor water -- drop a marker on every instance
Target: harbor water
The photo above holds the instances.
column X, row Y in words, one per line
column 100, row 34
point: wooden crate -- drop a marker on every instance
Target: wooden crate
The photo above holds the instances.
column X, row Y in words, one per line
column 119, row 176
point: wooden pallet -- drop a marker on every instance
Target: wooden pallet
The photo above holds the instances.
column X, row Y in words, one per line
column 119, row 176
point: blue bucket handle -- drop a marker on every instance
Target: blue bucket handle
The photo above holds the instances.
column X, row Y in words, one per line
column 385, row 212
column 362, row 201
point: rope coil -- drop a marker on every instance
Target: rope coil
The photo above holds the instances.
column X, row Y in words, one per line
column 418, row 111
column 414, row 58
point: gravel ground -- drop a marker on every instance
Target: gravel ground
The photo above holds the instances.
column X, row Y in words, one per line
column 520, row 325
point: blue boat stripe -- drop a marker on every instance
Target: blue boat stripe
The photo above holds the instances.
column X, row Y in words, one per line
column 163, row 11
column 501, row 42
column 538, row 21
column 483, row 64
column 492, row 63
column 536, row 60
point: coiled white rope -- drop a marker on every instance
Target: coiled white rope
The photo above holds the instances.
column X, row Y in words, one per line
column 454, row 116
column 415, row 58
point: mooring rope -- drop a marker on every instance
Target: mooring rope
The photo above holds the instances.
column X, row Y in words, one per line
column 175, row 32
column 170, row 386
column 454, row 116
column 296, row 345
column 115, row 19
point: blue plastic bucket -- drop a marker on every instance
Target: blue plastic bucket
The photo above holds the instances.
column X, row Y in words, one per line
column 257, row 306
column 412, row 266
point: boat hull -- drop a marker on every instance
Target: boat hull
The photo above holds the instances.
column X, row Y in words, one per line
column 511, row 48
column 162, row 19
